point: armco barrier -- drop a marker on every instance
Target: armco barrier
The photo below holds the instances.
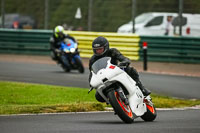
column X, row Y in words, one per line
column 24, row 41
column 37, row 42
column 128, row 44
column 172, row 49
column 160, row 48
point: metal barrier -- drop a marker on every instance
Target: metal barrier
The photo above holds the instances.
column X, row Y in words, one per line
column 166, row 49
column 172, row 49
column 37, row 42
column 25, row 41
column 128, row 44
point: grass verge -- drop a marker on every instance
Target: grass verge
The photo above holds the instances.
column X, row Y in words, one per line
column 18, row 98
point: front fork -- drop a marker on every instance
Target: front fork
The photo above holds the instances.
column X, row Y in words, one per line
column 74, row 57
column 147, row 100
column 122, row 95
column 65, row 60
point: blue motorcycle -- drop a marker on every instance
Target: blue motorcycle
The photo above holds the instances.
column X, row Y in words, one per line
column 70, row 56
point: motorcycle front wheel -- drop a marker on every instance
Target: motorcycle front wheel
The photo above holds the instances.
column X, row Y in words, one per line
column 122, row 110
column 151, row 113
column 80, row 65
column 65, row 63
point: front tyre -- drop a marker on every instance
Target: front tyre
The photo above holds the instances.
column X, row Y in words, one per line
column 65, row 63
column 151, row 113
column 122, row 110
column 80, row 65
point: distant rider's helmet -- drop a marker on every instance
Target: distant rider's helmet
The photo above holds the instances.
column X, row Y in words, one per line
column 100, row 46
column 59, row 31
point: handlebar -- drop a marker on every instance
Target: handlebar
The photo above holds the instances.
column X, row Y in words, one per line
column 122, row 67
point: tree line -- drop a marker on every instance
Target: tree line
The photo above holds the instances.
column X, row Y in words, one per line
column 107, row 15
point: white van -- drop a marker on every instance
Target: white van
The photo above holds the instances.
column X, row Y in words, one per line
column 155, row 23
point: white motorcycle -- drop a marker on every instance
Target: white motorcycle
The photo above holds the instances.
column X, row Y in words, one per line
column 117, row 88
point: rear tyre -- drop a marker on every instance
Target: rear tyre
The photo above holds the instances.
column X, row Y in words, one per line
column 151, row 113
column 122, row 110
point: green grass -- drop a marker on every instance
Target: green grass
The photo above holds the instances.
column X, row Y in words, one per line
column 169, row 102
column 17, row 98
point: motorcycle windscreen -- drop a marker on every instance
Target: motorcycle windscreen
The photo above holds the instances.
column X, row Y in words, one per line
column 100, row 64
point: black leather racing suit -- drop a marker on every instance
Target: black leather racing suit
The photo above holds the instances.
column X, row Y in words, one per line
column 116, row 57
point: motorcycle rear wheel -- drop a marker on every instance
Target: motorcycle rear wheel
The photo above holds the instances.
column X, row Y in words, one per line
column 122, row 110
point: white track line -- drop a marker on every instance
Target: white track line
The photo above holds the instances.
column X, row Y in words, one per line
column 109, row 110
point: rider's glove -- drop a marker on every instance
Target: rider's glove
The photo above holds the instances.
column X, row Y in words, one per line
column 57, row 50
column 124, row 64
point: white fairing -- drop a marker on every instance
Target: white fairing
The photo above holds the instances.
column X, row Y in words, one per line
column 116, row 74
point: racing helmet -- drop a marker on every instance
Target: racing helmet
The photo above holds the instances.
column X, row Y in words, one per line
column 59, row 31
column 100, row 46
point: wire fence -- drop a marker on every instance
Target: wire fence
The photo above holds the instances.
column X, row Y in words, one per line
column 87, row 15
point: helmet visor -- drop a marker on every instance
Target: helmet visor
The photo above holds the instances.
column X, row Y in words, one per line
column 60, row 34
column 98, row 51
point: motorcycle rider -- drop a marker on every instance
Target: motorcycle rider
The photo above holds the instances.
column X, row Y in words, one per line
column 101, row 49
column 55, row 41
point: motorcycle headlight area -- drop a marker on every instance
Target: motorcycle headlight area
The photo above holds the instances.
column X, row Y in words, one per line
column 66, row 50
column 72, row 50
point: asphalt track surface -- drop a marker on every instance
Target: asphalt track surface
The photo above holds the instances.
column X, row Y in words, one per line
column 173, row 121
column 176, row 121
column 175, row 86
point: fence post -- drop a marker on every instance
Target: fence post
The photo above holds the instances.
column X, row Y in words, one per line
column 90, row 15
column 2, row 13
column 134, row 6
column 180, row 16
column 46, row 14
column 145, row 55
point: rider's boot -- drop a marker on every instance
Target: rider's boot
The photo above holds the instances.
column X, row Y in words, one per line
column 135, row 76
column 145, row 91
